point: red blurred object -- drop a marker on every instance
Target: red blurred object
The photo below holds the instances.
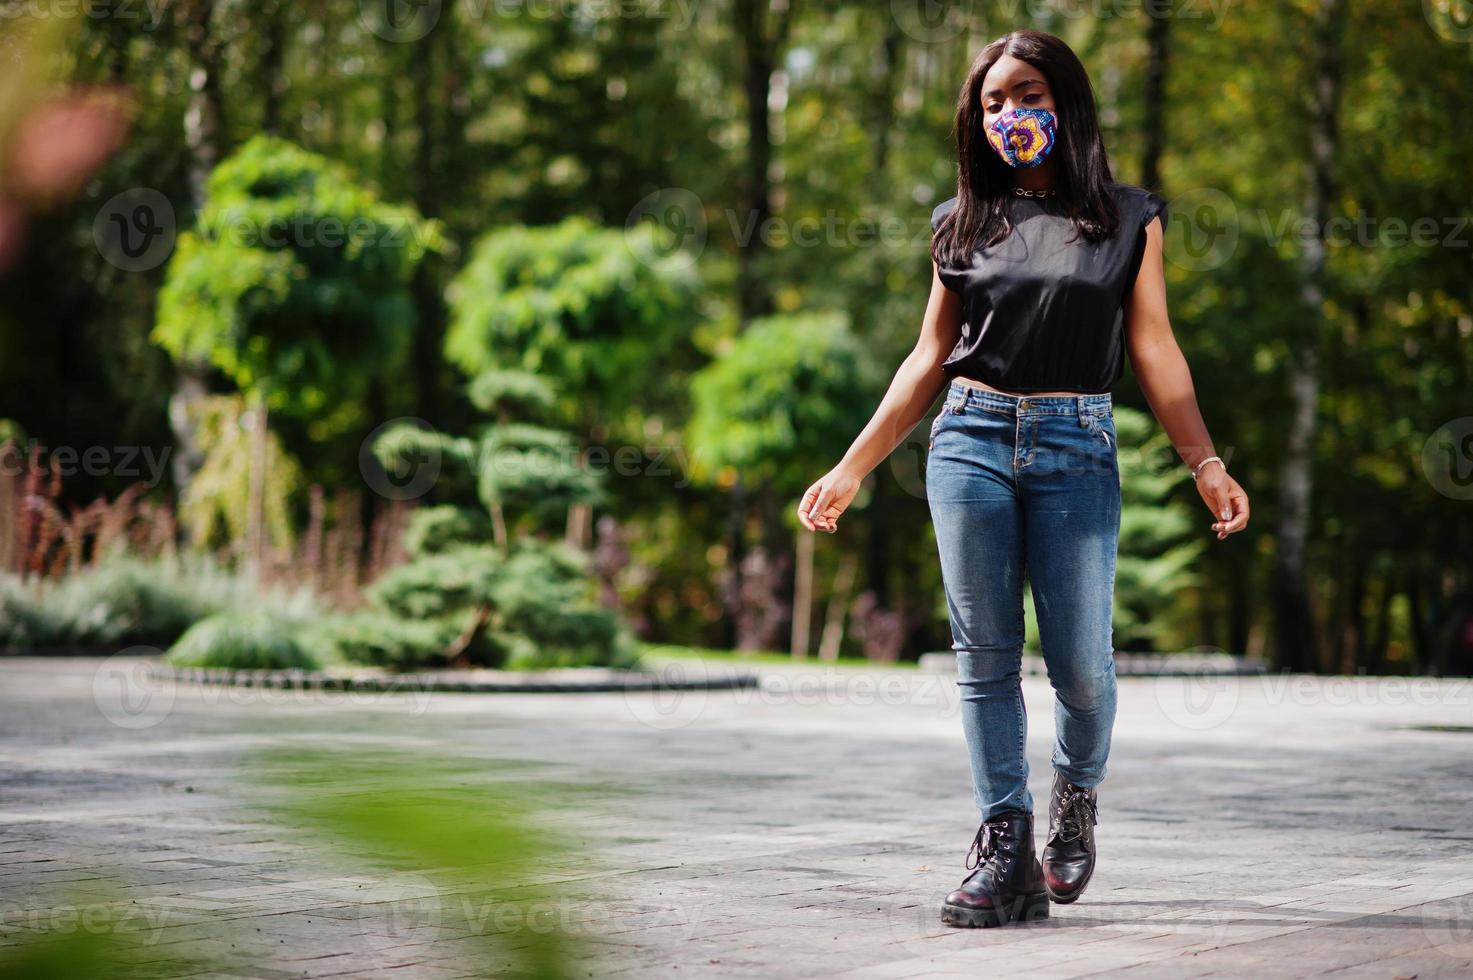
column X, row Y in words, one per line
column 52, row 152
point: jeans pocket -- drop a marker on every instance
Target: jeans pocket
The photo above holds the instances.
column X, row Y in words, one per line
column 935, row 424
column 1102, row 426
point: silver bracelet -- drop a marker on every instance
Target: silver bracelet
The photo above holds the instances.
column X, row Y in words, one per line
column 1196, row 470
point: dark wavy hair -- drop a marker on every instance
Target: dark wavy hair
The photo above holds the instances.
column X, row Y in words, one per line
column 984, row 181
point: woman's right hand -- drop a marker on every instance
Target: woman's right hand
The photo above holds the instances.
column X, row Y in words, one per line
column 822, row 504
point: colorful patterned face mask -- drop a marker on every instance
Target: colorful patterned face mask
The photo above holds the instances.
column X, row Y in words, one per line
column 1023, row 136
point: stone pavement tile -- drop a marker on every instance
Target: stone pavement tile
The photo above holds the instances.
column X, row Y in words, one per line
column 717, row 840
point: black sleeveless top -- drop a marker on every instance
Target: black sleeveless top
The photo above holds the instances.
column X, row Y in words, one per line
column 1041, row 313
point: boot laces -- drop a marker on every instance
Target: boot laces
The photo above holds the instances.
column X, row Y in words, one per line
column 1075, row 807
column 984, row 845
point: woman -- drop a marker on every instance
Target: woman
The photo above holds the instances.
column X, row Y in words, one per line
column 1044, row 272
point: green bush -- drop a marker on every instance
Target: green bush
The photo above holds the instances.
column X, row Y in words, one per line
column 22, row 620
column 433, row 530
column 381, row 640
column 537, row 605
column 129, row 601
column 439, row 585
column 546, row 615
column 244, row 641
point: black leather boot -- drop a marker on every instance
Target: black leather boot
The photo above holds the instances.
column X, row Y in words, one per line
column 1069, row 855
column 1007, row 884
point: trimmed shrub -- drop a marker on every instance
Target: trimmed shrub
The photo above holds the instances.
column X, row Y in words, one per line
column 244, row 641
column 534, row 608
column 439, row 585
column 380, row 640
column 433, row 530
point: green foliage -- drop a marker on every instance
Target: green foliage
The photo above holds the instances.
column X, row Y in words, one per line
column 483, row 845
column 243, row 641
column 533, row 470
column 23, row 622
column 438, row 585
column 527, row 119
column 531, row 609
column 380, row 640
column 791, row 390
column 404, row 447
column 1160, row 547
column 498, row 598
column 216, row 505
column 87, row 952
column 125, row 601
column 515, row 392
column 570, row 302
column 518, row 468
column 545, row 616
column 432, row 530
column 295, row 282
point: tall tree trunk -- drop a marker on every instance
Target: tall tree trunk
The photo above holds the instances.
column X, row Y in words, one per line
column 1351, row 636
column 259, row 474
column 1376, row 654
column 803, row 594
column 1158, row 31
column 429, row 160
column 273, row 56
column 833, row 627
column 881, row 120
column 761, row 46
column 1416, row 613
column 736, row 527
column 203, row 123
column 762, row 30
column 1295, row 619
column 204, row 118
column 1240, row 618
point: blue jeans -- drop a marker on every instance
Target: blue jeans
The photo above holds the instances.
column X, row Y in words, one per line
column 1027, row 483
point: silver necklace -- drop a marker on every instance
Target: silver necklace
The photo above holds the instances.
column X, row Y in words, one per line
column 1025, row 192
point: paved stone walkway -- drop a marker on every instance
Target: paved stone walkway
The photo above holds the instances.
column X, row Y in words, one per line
column 1265, row 826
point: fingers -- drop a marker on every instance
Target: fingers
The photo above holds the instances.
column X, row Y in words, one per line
column 1231, row 505
column 820, row 507
column 805, row 505
column 1239, row 501
column 1222, row 509
column 811, row 509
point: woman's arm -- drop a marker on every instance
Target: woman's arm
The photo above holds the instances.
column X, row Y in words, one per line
column 1166, row 381
column 912, row 392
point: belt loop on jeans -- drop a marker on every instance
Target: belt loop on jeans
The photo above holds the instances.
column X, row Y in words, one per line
column 1084, row 416
column 961, row 406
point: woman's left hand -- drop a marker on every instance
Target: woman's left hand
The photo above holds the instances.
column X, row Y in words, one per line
column 1227, row 501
